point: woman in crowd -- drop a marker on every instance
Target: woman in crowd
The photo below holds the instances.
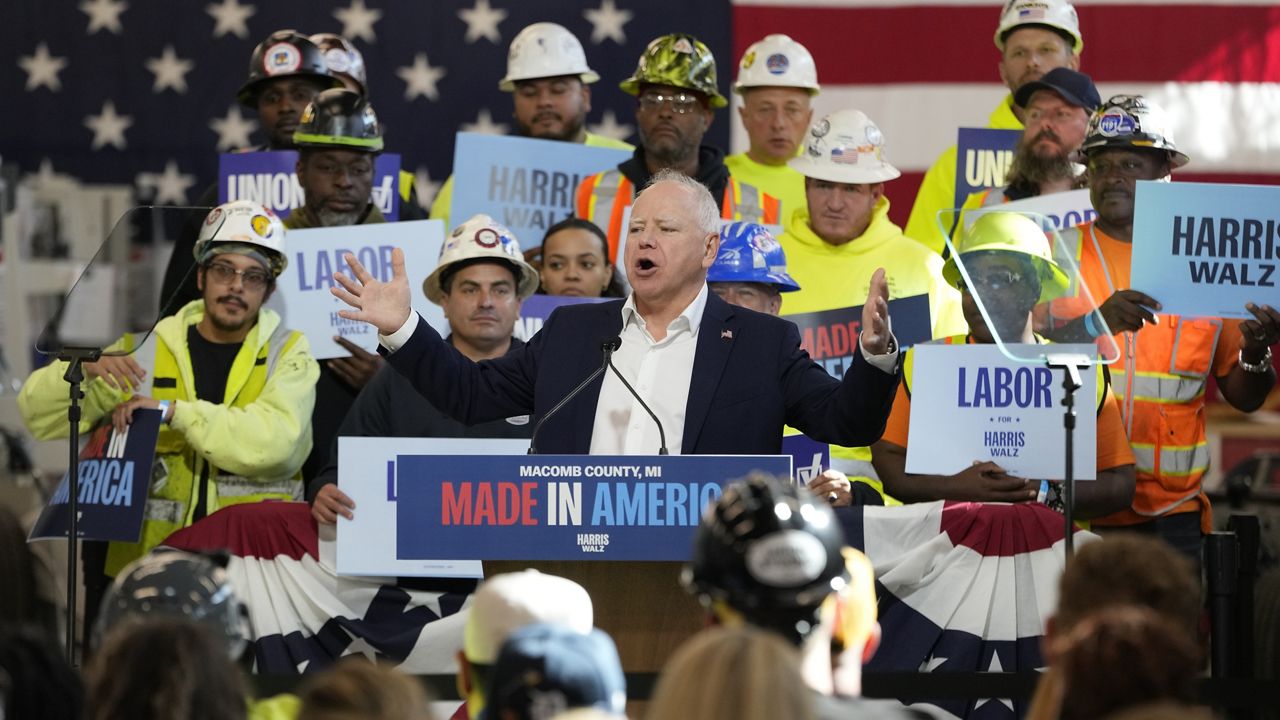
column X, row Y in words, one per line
column 575, row 261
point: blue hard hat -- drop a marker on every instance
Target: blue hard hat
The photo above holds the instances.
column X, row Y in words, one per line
column 749, row 253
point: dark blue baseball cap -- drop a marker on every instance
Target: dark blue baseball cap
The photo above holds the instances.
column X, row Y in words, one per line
column 545, row 669
column 1074, row 87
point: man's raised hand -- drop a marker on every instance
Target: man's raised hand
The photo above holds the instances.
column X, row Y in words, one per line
column 384, row 305
column 875, row 316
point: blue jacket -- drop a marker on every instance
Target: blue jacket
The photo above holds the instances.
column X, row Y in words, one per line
column 747, row 383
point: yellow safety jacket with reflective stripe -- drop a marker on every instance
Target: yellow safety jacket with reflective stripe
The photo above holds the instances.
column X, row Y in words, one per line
column 1160, row 381
column 938, row 189
column 442, row 205
column 247, row 449
column 604, row 197
column 780, row 181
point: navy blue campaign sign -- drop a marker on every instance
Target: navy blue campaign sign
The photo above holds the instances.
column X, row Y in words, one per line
column 831, row 336
column 523, row 183
column 560, row 507
column 270, row 178
column 982, row 159
column 115, row 476
column 535, row 310
column 1206, row 249
column 809, row 458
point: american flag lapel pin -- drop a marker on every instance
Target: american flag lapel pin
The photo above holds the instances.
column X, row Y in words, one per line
column 726, row 334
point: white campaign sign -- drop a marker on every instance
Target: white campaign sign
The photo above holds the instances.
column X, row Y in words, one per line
column 302, row 294
column 972, row 403
column 366, row 472
column 1064, row 209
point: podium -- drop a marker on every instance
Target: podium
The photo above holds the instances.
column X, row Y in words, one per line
column 620, row 526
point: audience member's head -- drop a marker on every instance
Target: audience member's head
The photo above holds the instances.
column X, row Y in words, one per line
column 545, row 669
column 504, row 603
column 165, row 668
column 36, row 681
column 356, row 689
column 1163, row 711
column 740, row 673
column 575, row 261
column 1127, row 569
column 179, row 584
column 1120, row 657
column 20, row 601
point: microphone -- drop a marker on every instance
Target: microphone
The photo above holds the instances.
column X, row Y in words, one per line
column 607, row 347
column 662, row 435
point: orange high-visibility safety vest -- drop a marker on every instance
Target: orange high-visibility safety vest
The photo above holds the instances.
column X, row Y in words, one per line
column 604, row 197
column 1160, row 380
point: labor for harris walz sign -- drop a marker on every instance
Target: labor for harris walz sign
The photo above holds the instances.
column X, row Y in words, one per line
column 1206, row 249
column 114, row 478
column 271, row 178
column 523, row 183
column 303, row 296
column 972, row 403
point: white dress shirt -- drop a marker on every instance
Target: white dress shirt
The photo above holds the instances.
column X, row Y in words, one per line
column 660, row 371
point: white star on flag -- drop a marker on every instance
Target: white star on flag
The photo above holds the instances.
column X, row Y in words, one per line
column 233, row 130
column 357, row 21
column 607, row 22
column 427, row 188
column 482, row 22
column 485, row 125
column 230, row 17
column 994, row 667
column 43, row 68
column 170, row 71
column 610, row 127
column 170, row 186
column 104, row 15
column 420, row 78
column 108, row 127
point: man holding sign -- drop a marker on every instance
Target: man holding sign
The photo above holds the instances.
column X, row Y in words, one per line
column 235, row 388
column 720, row 380
column 1165, row 360
column 1008, row 258
column 548, row 78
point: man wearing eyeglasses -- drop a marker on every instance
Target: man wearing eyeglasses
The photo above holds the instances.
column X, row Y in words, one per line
column 1165, row 360
column 234, row 387
column 676, row 94
column 777, row 80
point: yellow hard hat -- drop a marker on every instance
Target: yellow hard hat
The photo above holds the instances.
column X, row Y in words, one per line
column 1016, row 233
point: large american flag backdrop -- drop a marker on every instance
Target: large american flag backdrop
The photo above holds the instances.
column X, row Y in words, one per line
column 141, row 91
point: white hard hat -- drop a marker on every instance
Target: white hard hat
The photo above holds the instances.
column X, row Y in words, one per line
column 1057, row 14
column 481, row 237
column 243, row 222
column 844, row 147
column 544, row 50
column 777, row 61
column 507, row 602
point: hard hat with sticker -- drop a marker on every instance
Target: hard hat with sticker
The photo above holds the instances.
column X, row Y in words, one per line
column 284, row 53
column 777, row 63
column 749, row 253
column 787, row 63
column 281, row 58
column 1131, row 121
column 478, row 238
column 786, row 559
column 678, row 60
column 844, row 147
column 245, row 222
column 545, row 50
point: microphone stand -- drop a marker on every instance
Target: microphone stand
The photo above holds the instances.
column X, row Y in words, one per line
column 75, row 357
column 662, row 435
column 607, row 347
column 1070, row 364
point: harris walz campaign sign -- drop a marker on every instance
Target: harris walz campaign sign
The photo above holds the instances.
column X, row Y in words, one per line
column 115, row 476
column 560, row 507
column 831, row 336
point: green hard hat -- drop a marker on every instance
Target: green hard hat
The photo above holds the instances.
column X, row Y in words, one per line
column 679, row 60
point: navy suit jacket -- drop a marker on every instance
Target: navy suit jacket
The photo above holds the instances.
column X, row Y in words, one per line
column 750, row 378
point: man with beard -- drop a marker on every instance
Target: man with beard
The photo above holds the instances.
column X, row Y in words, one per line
column 1034, row 37
column 286, row 71
column 1165, row 360
column 548, row 78
column 1056, row 109
column 675, row 89
column 480, row 281
column 1009, row 266
column 337, row 141
column 234, row 387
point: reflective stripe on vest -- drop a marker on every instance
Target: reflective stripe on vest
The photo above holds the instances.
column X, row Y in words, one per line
column 603, row 209
column 994, row 197
column 1158, row 387
column 1173, row 460
column 744, row 202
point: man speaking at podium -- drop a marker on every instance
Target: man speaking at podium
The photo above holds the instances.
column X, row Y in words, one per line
column 719, row 379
